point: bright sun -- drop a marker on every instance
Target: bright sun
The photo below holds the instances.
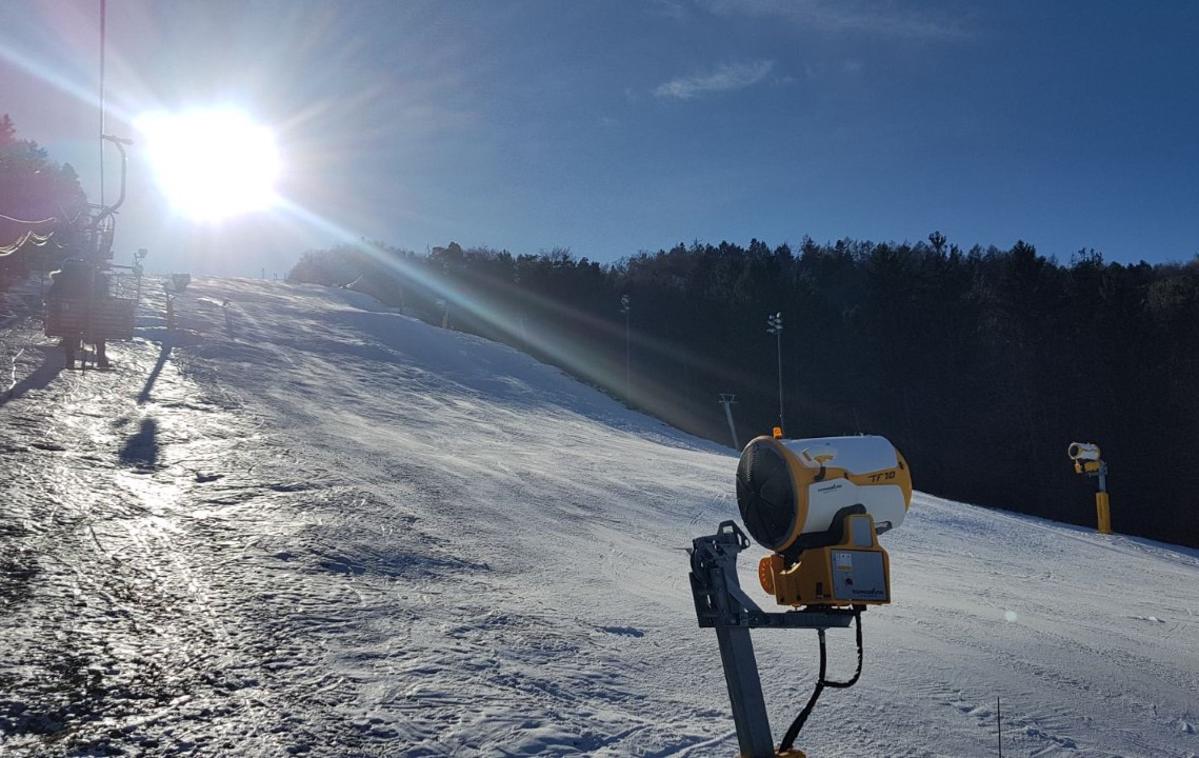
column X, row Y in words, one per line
column 212, row 164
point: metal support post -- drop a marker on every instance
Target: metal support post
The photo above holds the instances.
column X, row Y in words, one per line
column 727, row 401
column 745, row 691
column 1103, row 507
column 720, row 603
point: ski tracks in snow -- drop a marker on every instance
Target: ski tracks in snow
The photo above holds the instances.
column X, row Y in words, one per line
column 324, row 528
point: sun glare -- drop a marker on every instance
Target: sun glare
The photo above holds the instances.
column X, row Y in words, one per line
column 212, row 164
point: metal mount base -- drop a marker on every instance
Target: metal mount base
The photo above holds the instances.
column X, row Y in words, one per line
column 720, row 603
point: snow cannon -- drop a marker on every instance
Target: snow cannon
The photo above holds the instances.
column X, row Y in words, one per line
column 1087, row 462
column 819, row 505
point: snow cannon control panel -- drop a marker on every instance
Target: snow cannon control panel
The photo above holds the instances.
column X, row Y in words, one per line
column 819, row 505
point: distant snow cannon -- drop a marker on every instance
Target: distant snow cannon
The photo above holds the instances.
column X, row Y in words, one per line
column 819, row 506
column 1083, row 451
column 1087, row 462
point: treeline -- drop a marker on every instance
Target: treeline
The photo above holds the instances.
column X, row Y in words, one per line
column 981, row 365
column 43, row 208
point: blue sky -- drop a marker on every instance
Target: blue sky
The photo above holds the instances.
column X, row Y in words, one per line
column 613, row 127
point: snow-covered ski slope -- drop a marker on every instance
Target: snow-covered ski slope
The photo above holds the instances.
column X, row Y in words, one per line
column 305, row 524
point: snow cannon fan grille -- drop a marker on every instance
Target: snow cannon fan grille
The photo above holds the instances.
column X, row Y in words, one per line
column 766, row 495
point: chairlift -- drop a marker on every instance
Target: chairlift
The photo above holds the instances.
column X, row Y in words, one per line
column 94, row 310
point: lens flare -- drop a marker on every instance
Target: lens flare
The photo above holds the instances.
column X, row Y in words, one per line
column 212, row 164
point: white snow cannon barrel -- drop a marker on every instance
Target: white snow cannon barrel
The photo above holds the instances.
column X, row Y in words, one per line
column 790, row 488
column 819, row 505
column 1083, row 451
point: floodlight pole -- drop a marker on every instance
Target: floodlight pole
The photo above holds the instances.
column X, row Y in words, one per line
column 625, row 308
column 727, row 401
column 103, row 120
column 774, row 325
column 779, row 350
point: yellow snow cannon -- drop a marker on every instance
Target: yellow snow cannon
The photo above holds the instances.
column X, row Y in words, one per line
column 1088, row 462
column 819, row 505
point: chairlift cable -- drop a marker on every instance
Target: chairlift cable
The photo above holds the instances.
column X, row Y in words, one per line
column 28, row 222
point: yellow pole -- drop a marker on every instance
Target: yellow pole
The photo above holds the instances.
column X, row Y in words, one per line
column 1103, row 512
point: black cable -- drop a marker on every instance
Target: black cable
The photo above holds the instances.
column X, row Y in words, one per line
column 821, row 683
column 797, row 724
column 857, row 619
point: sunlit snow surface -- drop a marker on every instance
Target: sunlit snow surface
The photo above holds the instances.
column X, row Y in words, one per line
column 319, row 527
